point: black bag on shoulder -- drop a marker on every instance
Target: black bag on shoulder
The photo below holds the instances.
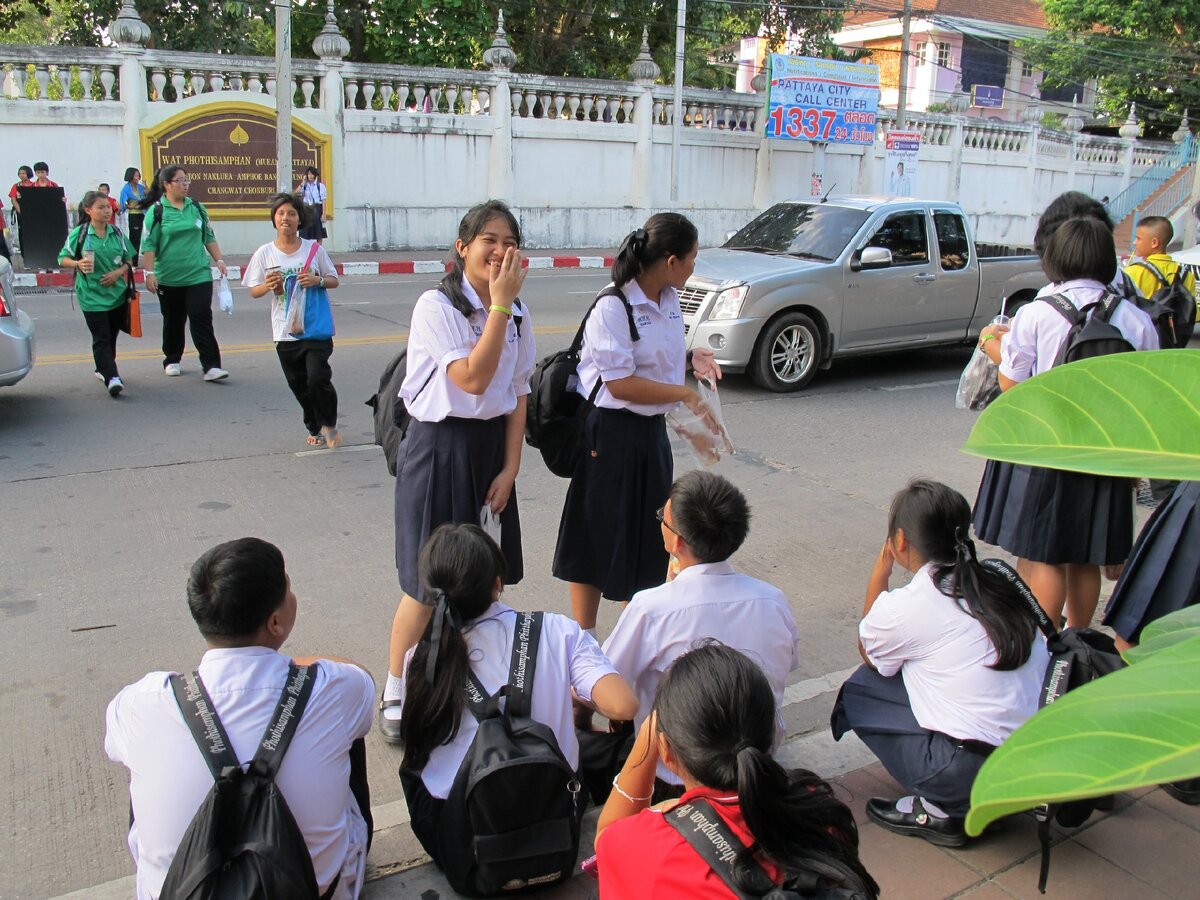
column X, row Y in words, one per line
column 1091, row 333
column 554, row 417
column 511, row 820
column 1172, row 307
column 711, row 837
column 243, row 843
column 1077, row 656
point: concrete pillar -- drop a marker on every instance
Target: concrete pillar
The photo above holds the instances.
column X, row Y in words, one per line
column 640, row 190
column 500, row 153
column 135, row 98
column 764, row 194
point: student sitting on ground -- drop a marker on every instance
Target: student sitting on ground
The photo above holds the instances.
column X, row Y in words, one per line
column 713, row 724
column 243, row 604
column 704, row 522
column 954, row 665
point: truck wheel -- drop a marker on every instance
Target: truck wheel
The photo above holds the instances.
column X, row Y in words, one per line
column 787, row 354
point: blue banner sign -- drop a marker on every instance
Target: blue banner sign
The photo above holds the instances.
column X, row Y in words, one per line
column 813, row 99
column 987, row 96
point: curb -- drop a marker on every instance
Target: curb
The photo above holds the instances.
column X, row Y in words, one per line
column 380, row 267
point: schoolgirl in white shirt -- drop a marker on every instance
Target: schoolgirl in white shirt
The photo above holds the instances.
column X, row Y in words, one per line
column 954, row 664
column 608, row 539
column 463, row 574
column 1062, row 526
column 470, row 354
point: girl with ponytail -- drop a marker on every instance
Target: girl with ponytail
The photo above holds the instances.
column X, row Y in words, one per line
column 462, row 574
column 954, row 663
column 713, row 724
column 632, row 364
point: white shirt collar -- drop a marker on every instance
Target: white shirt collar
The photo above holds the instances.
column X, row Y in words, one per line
column 634, row 294
column 471, row 294
column 699, row 570
column 220, row 653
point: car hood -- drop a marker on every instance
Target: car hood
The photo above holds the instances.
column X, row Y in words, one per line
column 721, row 266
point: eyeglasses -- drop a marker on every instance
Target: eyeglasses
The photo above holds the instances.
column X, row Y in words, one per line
column 660, row 514
column 180, row 181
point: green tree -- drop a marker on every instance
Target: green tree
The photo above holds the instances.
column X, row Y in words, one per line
column 1142, row 51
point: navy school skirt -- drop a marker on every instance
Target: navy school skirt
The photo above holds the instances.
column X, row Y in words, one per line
column 608, row 536
column 1163, row 572
column 1055, row 517
column 443, row 472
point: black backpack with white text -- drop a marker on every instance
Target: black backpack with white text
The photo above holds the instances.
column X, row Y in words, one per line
column 1091, row 333
column 1172, row 307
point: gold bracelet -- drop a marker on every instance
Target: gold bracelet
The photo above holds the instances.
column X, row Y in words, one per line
column 628, row 797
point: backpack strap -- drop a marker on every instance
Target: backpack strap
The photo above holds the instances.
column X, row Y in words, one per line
column 83, row 230
column 518, row 315
column 1154, row 269
column 526, row 637
column 284, row 721
column 201, row 718
column 577, row 344
column 708, row 834
column 1065, row 308
column 1018, row 583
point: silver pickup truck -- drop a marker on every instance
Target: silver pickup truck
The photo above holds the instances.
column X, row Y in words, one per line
column 811, row 281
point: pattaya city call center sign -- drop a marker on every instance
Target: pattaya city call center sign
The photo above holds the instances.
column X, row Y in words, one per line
column 813, row 99
column 228, row 152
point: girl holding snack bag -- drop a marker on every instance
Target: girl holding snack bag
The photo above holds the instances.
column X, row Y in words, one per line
column 609, row 543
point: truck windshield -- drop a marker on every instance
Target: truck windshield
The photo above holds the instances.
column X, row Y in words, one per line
column 807, row 230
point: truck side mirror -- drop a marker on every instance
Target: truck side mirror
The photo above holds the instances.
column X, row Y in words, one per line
column 730, row 234
column 872, row 258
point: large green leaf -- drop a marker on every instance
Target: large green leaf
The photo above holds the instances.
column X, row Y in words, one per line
column 1166, row 632
column 1136, row 727
column 1130, row 414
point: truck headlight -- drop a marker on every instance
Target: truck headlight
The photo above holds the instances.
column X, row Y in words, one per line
column 728, row 304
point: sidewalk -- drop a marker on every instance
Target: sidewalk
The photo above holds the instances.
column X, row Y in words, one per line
column 1145, row 848
column 368, row 262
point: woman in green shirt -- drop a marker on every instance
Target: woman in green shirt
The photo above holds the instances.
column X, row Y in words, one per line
column 105, row 257
column 177, row 243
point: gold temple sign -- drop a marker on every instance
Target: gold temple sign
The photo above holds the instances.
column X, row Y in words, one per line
column 228, row 151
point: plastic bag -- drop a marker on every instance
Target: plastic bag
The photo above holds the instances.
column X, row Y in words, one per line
column 295, row 309
column 490, row 523
column 707, row 445
column 225, row 296
column 979, row 384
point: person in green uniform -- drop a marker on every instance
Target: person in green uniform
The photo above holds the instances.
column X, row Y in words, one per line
column 105, row 259
column 177, row 243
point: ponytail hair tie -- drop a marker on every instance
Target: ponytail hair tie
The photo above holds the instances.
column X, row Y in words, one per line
column 639, row 238
column 744, row 745
column 963, row 545
column 437, row 599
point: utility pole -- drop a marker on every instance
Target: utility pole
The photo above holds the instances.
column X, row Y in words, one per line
column 677, row 119
column 283, row 95
column 905, row 44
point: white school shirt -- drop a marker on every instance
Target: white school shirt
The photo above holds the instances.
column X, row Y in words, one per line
column 1038, row 329
column 943, row 654
column 290, row 264
column 312, row 192
column 568, row 657
column 168, row 778
column 438, row 336
column 610, row 353
column 707, row 600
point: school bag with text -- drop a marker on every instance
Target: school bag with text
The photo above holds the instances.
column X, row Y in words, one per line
column 511, row 820
column 555, row 412
column 1077, row 656
column 1091, row 333
column 243, row 843
column 1172, row 307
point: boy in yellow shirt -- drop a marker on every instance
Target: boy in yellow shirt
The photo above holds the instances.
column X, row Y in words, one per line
column 1154, row 269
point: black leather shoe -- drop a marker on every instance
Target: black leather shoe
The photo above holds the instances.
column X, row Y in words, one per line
column 947, row 832
column 1184, row 791
column 389, row 728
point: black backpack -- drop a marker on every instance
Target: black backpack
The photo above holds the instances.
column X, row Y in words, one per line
column 390, row 414
column 243, row 842
column 554, row 416
column 1077, row 656
column 1091, row 333
column 1172, row 307
column 703, row 828
column 512, row 818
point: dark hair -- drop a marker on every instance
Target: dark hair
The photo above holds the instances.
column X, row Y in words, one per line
column 158, row 186
column 710, row 514
column 286, row 198
column 1069, row 205
column 88, row 201
column 469, row 228
column 316, row 173
column 1080, row 248
column 936, row 520
column 41, row 167
column 1162, row 228
column 234, row 587
column 105, row 184
column 459, row 565
column 663, row 235
column 717, row 711
column 28, row 172
column 130, row 172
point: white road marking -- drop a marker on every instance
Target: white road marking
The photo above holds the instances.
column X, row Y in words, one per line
column 917, row 387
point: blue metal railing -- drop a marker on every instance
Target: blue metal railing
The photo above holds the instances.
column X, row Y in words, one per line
column 1182, row 154
column 1164, row 204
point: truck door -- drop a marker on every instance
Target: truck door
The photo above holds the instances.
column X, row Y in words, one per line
column 957, row 285
column 896, row 304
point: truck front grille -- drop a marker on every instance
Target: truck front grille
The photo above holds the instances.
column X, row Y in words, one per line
column 691, row 299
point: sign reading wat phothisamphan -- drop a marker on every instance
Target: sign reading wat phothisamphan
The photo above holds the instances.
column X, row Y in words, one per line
column 228, row 151
column 812, row 99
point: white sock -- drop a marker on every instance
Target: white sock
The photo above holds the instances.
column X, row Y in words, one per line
column 393, row 690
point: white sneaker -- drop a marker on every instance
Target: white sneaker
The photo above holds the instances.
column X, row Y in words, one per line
column 115, row 386
column 215, row 374
column 172, row 369
column 98, row 375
